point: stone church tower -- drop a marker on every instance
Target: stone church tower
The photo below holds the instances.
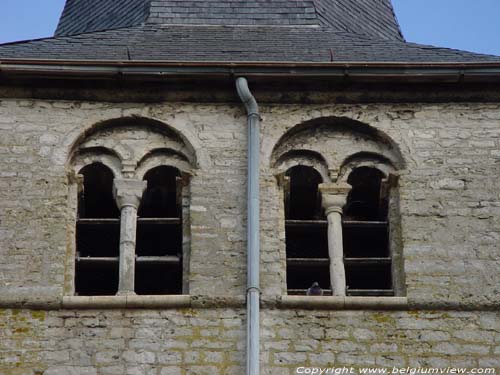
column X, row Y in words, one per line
column 267, row 187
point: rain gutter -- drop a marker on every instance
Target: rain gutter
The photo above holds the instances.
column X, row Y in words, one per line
column 159, row 70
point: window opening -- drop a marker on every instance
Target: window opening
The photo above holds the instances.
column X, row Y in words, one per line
column 367, row 257
column 97, row 233
column 306, row 232
column 159, row 234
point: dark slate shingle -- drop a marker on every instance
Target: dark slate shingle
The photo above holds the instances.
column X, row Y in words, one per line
column 242, row 30
column 374, row 18
column 83, row 16
column 231, row 44
column 229, row 12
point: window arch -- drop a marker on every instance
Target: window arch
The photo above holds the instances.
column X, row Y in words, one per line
column 97, row 233
column 132, row 174
column 358, row 195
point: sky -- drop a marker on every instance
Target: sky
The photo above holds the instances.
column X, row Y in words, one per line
column 471, row 25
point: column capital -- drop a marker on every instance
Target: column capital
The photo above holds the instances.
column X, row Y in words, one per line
column 128, row 192
column 334, row 196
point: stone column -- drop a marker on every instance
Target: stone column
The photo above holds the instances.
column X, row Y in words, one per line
column 334, row 197
column 128, row 193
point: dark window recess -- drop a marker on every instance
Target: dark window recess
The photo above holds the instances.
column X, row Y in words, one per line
column 366, row 235
column 306, row 232
column 365, row 201
column 97, row 234
column 96, row 200
column 365, row 239
column 162, row 196
column 304, row 199
column 306, row 239
column 96, row 279
column 369, row 279
column 159, row 234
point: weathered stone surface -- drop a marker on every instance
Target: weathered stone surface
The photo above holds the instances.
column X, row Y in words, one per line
column 450, row 226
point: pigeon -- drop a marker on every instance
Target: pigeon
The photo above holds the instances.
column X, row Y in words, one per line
column 315, row 290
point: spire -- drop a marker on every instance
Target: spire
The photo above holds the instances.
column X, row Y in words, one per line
column 372, row 18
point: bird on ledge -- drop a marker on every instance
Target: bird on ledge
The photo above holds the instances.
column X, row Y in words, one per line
column 315, row 290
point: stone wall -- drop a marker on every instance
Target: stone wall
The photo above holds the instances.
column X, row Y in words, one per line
column 134, row 342
column 450, row 223
column 212, row 341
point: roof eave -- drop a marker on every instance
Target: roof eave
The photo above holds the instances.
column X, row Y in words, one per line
column 161, row 70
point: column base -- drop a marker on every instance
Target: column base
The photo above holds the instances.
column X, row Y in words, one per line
column 126, row 293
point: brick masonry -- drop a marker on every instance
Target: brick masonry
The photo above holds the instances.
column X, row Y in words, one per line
column 450, row 222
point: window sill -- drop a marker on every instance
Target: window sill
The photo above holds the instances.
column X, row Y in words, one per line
column 343, row 303
column 119, row 302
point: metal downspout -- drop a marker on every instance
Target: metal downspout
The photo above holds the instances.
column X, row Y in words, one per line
column 253, row 224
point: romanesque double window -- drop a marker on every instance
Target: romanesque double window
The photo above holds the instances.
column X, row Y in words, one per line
column 339, row 182
column 132, row 189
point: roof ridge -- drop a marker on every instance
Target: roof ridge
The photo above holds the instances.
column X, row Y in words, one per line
column 395, row 16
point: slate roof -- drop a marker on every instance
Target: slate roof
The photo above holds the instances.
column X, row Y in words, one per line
column 80, row 16
column 233, row 12
column 204, row 30
column 231, row 44
column 373, row 18
column 369, row 17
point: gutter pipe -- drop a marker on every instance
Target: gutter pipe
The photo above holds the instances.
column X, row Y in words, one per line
column 253, row 227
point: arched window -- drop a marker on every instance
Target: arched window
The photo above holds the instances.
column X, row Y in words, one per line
column 132, row 220
column 159, row 234
column 306, row 231
column 367, row 255
column 97, row 233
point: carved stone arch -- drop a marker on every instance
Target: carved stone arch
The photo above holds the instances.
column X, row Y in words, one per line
column 202, row 158
column 304, row 158
column 366, row 159
column 163, row 157
column 131, row 138
column 335, row 139
column 101, row 155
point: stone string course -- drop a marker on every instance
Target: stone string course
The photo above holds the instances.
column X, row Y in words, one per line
column 450, row 224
